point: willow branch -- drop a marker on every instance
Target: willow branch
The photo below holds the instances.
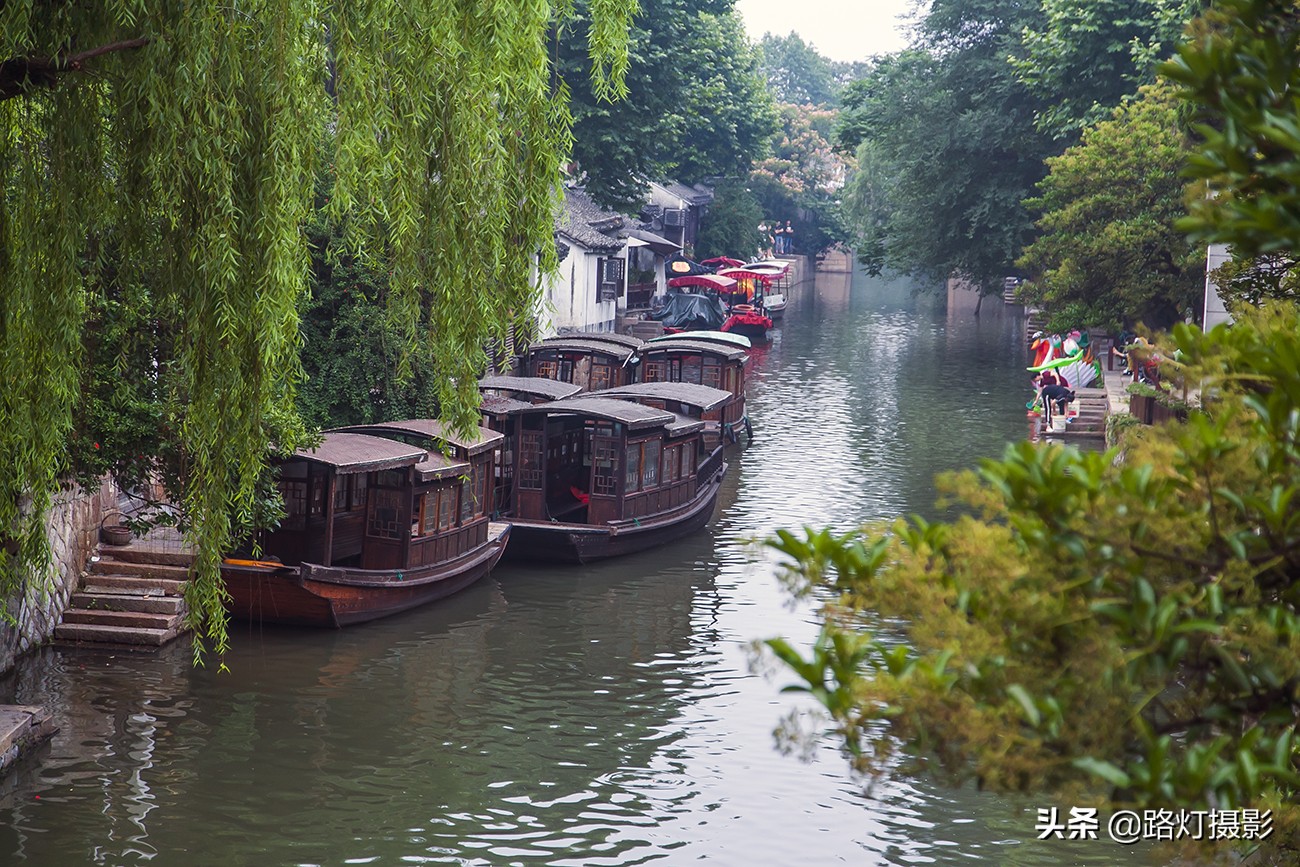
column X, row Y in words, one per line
column 20, row 74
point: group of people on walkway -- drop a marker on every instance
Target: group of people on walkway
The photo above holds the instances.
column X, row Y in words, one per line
column 779, row 238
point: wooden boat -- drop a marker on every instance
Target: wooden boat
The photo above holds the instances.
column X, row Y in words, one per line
column 590, row 361
column 682, row 398
column 713, row 362
column 596, row 477
column 751, row 313
column 725, row 337
column 373, row 526
column 502, row 396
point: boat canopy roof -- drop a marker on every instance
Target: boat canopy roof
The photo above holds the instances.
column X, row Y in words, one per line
column 722, row 262
column 746, row 274
column 493, row 405
column 358, row 453
column 681, row 425
column 703, row 347
column 773, row 266
column 718, row 336
column 702, row 397
column 479, row 440
column 437, row 466
column 703, row 281
column 613, row 337
column 533, row 386
column 634, row 415
column 585, row 345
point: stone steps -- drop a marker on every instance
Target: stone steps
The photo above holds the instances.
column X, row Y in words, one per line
column 98, row 633
column 128, row 597
column 102, row 599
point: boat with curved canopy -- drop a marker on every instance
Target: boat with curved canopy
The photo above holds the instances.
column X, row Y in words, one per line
column 712, row 361
column 373, row 525
column 590, row 361
column 597, row 477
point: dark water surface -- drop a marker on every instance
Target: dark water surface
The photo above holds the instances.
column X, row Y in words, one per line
column 601, row 715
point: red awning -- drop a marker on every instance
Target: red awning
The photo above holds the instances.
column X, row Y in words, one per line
column 744, row 274
column 704, row 281
column 723, row 262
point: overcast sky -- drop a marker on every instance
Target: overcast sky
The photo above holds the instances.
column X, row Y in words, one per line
column 839, row 29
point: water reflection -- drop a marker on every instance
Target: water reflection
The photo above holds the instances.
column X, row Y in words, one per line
column 597, row 715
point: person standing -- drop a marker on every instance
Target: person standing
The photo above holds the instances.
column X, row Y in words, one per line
column 789, row 238
column 779, row 234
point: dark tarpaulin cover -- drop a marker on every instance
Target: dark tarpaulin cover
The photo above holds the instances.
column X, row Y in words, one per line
column 691, row 312
column 680, row 266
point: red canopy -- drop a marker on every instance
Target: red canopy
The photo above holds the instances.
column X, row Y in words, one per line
column 745, row 274
column 723, row 262
column 704, row 281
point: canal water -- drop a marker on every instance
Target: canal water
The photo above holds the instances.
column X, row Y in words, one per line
column 600, row 715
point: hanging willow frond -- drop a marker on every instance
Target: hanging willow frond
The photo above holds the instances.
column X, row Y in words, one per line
column 197, row 144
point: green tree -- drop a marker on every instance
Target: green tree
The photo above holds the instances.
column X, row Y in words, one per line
column 1107, row 247
column 192, row 132
column 954, row 126
column 1119, row 624
column 695, row 107
column 1089, row 55
column 795, row 71
column 730, row 228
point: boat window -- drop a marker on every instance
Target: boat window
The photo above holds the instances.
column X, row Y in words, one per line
column 672, row 463
column 429, row 513
column 317, row 508
column 600, row 375
column 690, row 371
column 650, row 466
column 382, row 518
column 467, row 509
column 604, row 478
column 688, row 461
column 342, row 486
column 653, row 371
column 712, row 373
column 358, row 498
column 633, row 476
column 295, row 503
column 547, row 369
column 481, row 481
column 390, row 479
column 446, row 508
column 530, row 460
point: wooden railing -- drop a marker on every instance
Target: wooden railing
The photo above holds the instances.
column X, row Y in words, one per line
column 639, row 296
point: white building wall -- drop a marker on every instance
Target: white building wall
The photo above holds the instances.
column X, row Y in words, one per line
column 570, row 299
column 1215, row 313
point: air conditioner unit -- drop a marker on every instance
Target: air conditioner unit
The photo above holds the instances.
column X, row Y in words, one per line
column 675, row 217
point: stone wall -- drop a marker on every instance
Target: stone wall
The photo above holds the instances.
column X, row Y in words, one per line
column 72, row 527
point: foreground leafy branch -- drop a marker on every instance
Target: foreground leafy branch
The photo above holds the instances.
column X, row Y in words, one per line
column 1128, row 627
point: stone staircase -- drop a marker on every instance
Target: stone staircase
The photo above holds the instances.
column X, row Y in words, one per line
column 1093, row 406
column 129, row 595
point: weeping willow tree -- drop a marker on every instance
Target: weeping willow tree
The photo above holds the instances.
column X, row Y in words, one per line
column 186, row 137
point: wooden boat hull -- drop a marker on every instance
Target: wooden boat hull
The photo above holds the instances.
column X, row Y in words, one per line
column 558, row 542
column 312, row 595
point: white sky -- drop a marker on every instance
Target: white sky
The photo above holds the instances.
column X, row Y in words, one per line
column 844, row 30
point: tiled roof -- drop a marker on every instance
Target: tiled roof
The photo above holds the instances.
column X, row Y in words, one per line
column 585, row 222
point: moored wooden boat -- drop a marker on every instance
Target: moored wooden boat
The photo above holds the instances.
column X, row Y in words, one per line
column 682, row 398
column 589, row 361
column 714, row 362
column 372, row 526
column 596, row 477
